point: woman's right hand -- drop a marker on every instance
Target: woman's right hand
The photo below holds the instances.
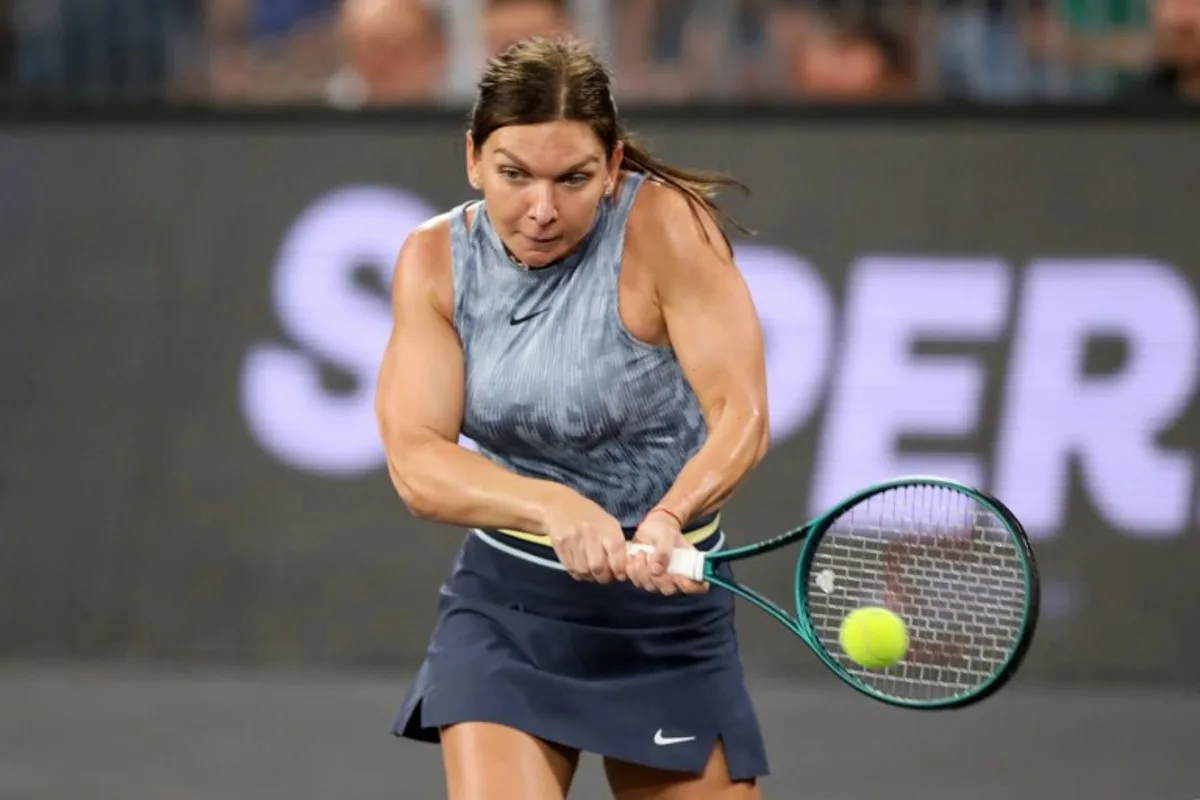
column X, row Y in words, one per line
column 588, row 540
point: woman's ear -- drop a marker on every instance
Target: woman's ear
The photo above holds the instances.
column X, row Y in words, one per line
column 614, row 167
column 473, row 167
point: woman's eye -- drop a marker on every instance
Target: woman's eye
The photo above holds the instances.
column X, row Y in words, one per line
column 510, row 174
column 575, row 180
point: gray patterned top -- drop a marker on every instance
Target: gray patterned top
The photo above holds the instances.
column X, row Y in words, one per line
column 556, row 387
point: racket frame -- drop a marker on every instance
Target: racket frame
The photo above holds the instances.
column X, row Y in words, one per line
column 811, row 532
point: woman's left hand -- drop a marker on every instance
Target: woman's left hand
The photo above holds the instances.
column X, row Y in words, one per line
column 649, row 571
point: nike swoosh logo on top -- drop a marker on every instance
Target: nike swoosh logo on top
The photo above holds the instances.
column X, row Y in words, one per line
column 526, row 318
column 660, row 740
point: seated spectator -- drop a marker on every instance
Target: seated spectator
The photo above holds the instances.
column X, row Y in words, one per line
column 1090, row 48
column 506, row 22
column 1176, row 71
column 395, row 53
column 270, row 51
column 680, row 50
column 979, row 49
column 862, row 61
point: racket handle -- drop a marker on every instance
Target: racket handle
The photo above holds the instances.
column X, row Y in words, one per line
column 686, row 562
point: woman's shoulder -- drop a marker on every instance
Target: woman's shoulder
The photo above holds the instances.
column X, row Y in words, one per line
column 425, row 261
column 429, row 243
column 666, row 222
column 437, row 230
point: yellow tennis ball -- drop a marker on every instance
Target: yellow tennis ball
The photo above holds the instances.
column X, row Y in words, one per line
column 873, row 637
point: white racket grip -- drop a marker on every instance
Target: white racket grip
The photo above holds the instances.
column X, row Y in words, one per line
column 686, row 562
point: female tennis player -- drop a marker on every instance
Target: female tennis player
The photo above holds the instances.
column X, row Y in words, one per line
column 586, row 326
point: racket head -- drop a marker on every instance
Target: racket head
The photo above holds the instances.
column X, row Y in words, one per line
column 951, row 561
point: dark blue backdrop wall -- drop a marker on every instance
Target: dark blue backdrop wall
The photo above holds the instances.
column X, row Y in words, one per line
column 192, row 316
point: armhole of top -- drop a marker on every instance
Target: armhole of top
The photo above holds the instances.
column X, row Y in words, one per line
column 620, row 222
column 630, row 188
column 460, row 250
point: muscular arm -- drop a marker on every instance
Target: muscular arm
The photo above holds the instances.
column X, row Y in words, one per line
column 713, row 327
column 419, row 406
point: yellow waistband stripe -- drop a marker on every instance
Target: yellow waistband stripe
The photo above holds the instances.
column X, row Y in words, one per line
column 695, row 536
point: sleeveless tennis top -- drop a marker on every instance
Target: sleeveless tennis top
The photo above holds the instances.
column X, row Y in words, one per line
column 556, row 386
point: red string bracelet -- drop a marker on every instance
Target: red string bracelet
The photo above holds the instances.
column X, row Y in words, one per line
column 668, row 512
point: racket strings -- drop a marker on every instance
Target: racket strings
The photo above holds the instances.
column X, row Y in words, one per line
column 946, row 565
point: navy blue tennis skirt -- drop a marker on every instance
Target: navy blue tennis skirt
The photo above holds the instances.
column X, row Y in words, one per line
column 605, row 669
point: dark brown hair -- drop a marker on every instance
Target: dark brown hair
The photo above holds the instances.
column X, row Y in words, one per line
column 541, row 80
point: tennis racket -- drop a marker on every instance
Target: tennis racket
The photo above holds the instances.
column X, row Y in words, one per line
column 952, row 561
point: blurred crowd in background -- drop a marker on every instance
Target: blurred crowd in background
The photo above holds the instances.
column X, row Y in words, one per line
column 360, row 53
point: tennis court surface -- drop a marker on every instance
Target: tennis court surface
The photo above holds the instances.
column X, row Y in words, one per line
column 76, row 733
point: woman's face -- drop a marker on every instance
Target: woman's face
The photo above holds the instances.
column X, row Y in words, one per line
column 543, row 185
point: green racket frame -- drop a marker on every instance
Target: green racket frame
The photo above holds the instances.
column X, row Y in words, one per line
column 800, row 624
